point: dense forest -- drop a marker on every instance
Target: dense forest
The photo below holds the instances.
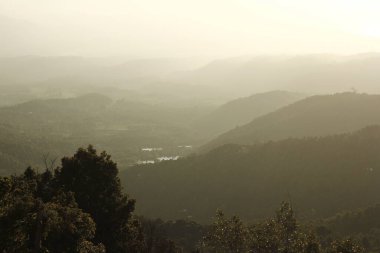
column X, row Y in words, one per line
column 322, row 176
column 54, row 211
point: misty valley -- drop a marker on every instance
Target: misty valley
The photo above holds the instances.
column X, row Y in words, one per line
column 166, row 156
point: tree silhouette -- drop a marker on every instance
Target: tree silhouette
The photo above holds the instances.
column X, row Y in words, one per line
column 93, row 179
column 30, row 222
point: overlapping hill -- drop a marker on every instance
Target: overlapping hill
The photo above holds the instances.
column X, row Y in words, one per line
column 312, row 116
column 319, row 73
column 243, row 110
column 320, row 175
column 31, row 130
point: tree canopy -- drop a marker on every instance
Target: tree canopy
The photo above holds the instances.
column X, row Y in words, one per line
column 78, row 207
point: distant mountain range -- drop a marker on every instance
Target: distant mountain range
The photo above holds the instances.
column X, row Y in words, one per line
column 191, row 79
column 305, row 73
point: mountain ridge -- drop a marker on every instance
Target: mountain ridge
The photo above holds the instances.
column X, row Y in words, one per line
column 313, row 116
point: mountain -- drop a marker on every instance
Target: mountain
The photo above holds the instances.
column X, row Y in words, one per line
column 22, row 37
column 106, row 71
column 305, row 73
column 313, row 116
column 39, row 128
column 118, row 78
column 320, row 176
column 243, row 110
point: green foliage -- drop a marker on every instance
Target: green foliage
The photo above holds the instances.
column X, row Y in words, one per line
column 227, row 235
column 93, row 179
column 31, row 222
column 89, row 247
column 346, row 246
column 280, row 234
column 78, row 208
column 355, row 221
column 363, row 224
column 185, row 234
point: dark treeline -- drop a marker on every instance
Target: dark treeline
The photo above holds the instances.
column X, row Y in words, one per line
column 80, row 207
column 322, row 176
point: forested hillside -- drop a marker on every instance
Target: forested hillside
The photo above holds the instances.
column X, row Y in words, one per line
column 243, row 110
column 54, row 211
column 320, row 175
column 358, row 221
column 312, row 116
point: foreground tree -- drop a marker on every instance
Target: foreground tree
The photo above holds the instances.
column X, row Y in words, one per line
column 345, row 246
column 93, row 178
column 281, row 234
column 30, row 222
column 79, row 207
column 226, row 235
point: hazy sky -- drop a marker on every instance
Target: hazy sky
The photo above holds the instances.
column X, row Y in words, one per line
column 178, row 28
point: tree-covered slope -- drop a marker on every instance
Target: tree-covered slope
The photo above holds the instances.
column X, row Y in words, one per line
column 358, row 221
column 321, row 176
column 313, row 116
column 243, row 110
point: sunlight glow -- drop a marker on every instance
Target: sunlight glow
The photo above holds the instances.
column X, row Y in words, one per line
column 371, row 31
